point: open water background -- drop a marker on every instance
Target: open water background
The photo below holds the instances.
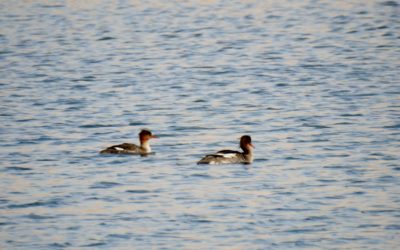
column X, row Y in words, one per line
column 315, row 83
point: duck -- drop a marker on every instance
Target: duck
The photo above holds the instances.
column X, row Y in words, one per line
column 232, row 156
column 129, row 148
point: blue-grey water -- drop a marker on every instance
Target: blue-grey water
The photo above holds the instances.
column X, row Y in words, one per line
column 315, row 83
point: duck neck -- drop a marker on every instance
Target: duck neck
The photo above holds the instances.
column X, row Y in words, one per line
column 247, row 149
column 248, row 154
column 145, row 146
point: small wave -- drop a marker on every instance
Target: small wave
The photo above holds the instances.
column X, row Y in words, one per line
column 387, row 178
column 395, row 126
column 18, row 168
column 337, row 167
column 137, row 123
column 327, row 180
column 389, row 4
column 188, row 128
column 393, row 227
column 44, row 138
column 106, row 38
column 221, row 72
column 27, row 142
column 221, row 84
column 343, row 123
column 356, row 181
column 26, row 205
column 5, row 52
column 368, row 225
column 282, row 209
column 201, row 176
column 18, row 155
column 6, row 223
column 105, row 184
column 83, row 79
column 316, row 218
column 312, row 66
column 196, row 219
column 49, row 203
column 96, row 244
column 26, row 120
column 382, row 211
column 50, row 6
column 292, row 158
column 46, row 159
column 351, row 115
column 79, row 87
column 116, row 162
column 59, row 245
column 317, row 126
column 335, row 197
column 120, row 236
column 99, row 125
column 38, row 217
column 3, row 201
column 202, row 221
column 139, row 191
column 304, row 230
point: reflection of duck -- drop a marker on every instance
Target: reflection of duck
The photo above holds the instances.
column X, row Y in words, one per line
column 231, row 156
column 129, row 148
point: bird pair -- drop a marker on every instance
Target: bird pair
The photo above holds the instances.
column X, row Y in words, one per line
column 220, row 157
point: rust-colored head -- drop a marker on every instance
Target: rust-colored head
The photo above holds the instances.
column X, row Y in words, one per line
column 146, row 135
column 245, row 143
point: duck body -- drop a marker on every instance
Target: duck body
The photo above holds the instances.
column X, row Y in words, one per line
column 124, row 148
column 129, row 148
column 232, row 156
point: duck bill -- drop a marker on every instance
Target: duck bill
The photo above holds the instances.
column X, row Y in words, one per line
column 154, row 137
column 251, row 145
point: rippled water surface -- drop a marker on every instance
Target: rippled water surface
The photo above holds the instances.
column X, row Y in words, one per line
column 315, row 83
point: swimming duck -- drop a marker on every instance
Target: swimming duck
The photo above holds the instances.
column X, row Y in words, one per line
column 129, row 148
column 232, row 156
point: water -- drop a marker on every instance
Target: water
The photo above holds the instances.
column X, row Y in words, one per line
column 315, row 83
